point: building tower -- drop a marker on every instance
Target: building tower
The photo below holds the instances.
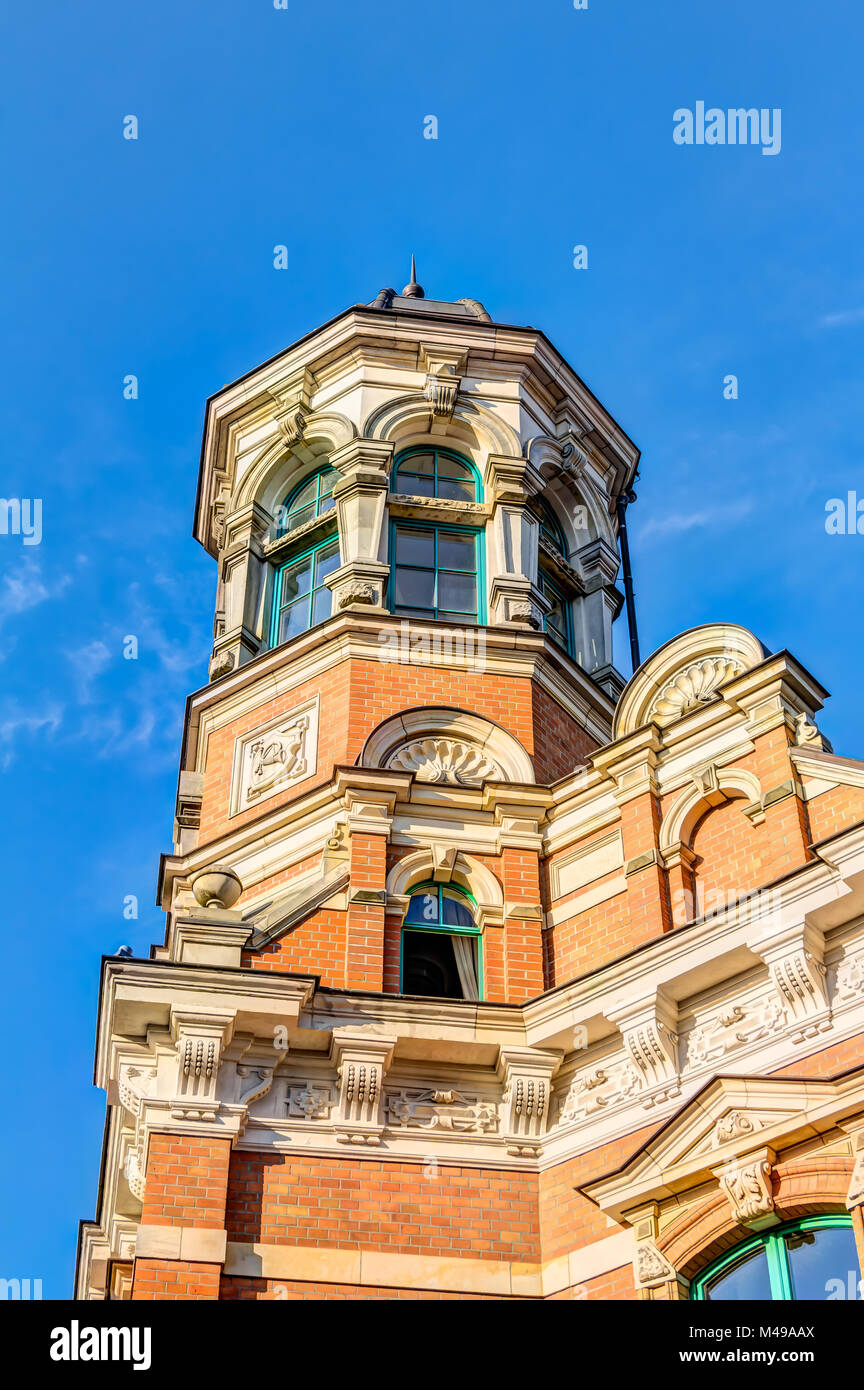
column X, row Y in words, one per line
column 484, row 974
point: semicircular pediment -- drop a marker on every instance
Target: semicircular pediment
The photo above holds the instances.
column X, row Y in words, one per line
column 447, row 746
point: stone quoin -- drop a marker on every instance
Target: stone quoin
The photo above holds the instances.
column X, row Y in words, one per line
column 487, row 973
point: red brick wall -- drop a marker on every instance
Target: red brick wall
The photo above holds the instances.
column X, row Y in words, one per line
column 175, row 1280
column 403, row 1208
column 187, row 1179
column 234, row 1288
column 356, row 696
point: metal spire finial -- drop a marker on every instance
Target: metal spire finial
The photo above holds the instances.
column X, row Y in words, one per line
column 412, row 290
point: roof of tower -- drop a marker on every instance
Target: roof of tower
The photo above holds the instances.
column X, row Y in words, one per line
column 413, row 299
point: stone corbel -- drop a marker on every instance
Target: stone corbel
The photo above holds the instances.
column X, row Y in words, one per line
column 360, row 496
column 199, row 1040
column 527, row 1077
column 444, row 369
column 518, row 813
column 649, row 1029
column 443, row 862
column 855, row 1194
column 651, row 1269
column 361, row 1061
column 292, row 399
column 795, row 959
column 746, row 1183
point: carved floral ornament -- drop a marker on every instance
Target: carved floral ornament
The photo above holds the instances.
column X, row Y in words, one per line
column 451, row 761
column 685, row 674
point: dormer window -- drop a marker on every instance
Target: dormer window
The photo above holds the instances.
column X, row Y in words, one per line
column 436, row 473
column 308, row 500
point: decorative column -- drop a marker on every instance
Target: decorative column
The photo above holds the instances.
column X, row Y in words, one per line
column 242, row 599
column 519, row 812
column 794, row 954
column 181, row 1241
column 649, row 1028
column 527, row 1076
column 598, row 608
column 369, row 799
column 361, row 1061
column 514, row 594
column 360, row 496
column 631, row 763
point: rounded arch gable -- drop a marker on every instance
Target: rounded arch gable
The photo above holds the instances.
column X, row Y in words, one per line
column 449, row 746
column 281, row 466
column 473, row 429
column 424, row 865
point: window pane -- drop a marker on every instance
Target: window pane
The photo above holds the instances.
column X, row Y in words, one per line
column 415, row 486
column 456, row 491
column 294, row 620
column 457, row 593
column 329, row 479
column 456, row 552
column 415, row 588
column 296, row 518
column 454, row 468
column 429, row 965
column 457, row 912
column 423, row 907
column 415, row 548
column 326, row 505
column 816, row 1258
column 419, row 463
column 463, row 618
column 306, row 495
column 322, row 602
column 748, row 1279
column 326, row 561
column 296, row 580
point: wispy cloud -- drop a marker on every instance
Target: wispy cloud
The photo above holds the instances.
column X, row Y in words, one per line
column 88, row 663
column 17, row 724
column 26, row 588
column 676, row 523
column 843, row 319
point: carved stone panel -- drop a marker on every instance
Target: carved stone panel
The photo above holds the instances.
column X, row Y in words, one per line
column 457, row 1111
column 274, row 757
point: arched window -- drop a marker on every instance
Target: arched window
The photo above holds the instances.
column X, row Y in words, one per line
column 440, row 473
column 813, row 1259
column 557, row 623
column 550, row 526
column 441, row 944
column 301, row 599
column 436, row 571
column 308, row 500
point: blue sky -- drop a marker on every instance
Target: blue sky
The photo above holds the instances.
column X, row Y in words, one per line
column 304, row 127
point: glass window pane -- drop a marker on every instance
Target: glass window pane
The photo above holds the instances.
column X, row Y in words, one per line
column 457, row 593
column 456, row 911
column 322, row 604
column 423, row 907
column 294, row 620
column 415, row 588
column 306, row 495
column 453, row 468
column 748, row 1279
column 296, row 518
column 464, row 618
column 296, row 580
column 329, row 479
column 326, row 504
column 419, row 463
column 415, row 486
column 455, row 491
column 326, row 561
column 415, row 548
column 816, row 1258
column 456, row 552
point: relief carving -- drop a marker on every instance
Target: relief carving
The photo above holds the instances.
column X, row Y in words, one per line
column 443, row 1110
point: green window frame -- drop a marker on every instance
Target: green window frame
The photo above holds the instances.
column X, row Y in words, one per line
column 558, row 623
column 310, row 499
column 435, row 568
column 442, row 473
column 550, row 527
column 773, row 1242
column 439, row 893
column 301, row 599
